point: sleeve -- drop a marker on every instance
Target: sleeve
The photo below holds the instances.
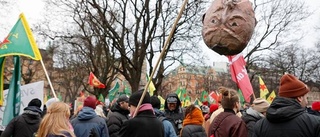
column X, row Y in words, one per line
column 9, row 129
column 169, row 129
column 114, row 125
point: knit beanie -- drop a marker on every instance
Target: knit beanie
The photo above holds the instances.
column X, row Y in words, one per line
column 316, row 106
column 260, row 105
column 35, row 102
column 291, row 87
column 135, row 97
column 90, row 101
column 50, row 101
column 155, row 102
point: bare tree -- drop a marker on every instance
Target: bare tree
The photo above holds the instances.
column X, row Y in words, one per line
column 112, row 37
column 276, row 21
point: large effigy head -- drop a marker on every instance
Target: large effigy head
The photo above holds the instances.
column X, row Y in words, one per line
column 228, row 26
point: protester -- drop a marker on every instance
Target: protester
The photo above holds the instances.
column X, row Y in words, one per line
column 88, row 122
column 287, row 116
column 145, row 123
column 167, row 123
column 55, row 123
column 26, row 124
column 213, row 108
column 120, row 114
column 192, row 123
column 227, row 124
column 173, row 110
column 255, row 113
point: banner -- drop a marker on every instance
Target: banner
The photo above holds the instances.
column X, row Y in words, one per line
column 240, row 76
column 28, row 92
column 94, row 81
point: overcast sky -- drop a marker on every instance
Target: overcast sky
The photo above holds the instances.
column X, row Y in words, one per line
column 33, row 8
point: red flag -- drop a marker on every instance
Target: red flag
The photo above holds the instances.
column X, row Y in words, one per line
column 240, row 76
column 93, row 81
column 213, row 95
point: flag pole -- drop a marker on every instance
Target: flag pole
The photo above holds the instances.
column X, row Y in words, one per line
column 161, row 55
column 49, row 81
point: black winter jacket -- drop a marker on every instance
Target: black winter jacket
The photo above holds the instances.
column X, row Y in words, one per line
column 115, row 120
column 286, row 118
column 193, row 131
column 24, row 125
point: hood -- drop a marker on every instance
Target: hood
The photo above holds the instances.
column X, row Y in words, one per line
column 158, row 112
column 116, row 108
column 86, row 113
column 254, row 113
column 31, row 117
column 178, row 102
column 284, row 109
column 251, row 115
column 33, row 109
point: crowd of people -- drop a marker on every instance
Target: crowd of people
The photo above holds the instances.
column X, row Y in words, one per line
column 288, row 115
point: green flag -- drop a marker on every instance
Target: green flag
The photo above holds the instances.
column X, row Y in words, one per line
column 14, row 94
column 113, row 92
column 183, row 95
column 178, row 91
column 127, row 91
column 59, row 96
column 2, row 60
column 101, row 98
column 20, row 41
column 204, row 96
column 241, row 98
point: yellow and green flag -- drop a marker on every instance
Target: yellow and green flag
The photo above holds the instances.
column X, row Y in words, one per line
column 162, row 101
column 2, row 62
column 20, row 41
column 152, row 88
column 271, row 97
column 187, row 101
column 263, row 89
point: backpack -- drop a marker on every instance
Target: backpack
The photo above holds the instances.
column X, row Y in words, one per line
column 162, row 118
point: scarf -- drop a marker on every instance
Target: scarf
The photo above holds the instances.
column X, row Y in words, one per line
column 143, row 107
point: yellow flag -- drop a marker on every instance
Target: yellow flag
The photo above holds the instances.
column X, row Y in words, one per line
column 187, row 101
column 263, row 89
column 152, row 88
column 162, row 102
column 271, row 97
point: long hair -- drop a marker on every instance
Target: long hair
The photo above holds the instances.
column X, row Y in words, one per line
column 56, row 121
column 229, row 97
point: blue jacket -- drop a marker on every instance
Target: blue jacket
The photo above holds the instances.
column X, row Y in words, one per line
column 168, row 127
column 87, row 122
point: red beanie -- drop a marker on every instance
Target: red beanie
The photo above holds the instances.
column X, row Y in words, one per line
column 316, row 106
column 90, row 101
column 213, row 107
column 292, row 87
